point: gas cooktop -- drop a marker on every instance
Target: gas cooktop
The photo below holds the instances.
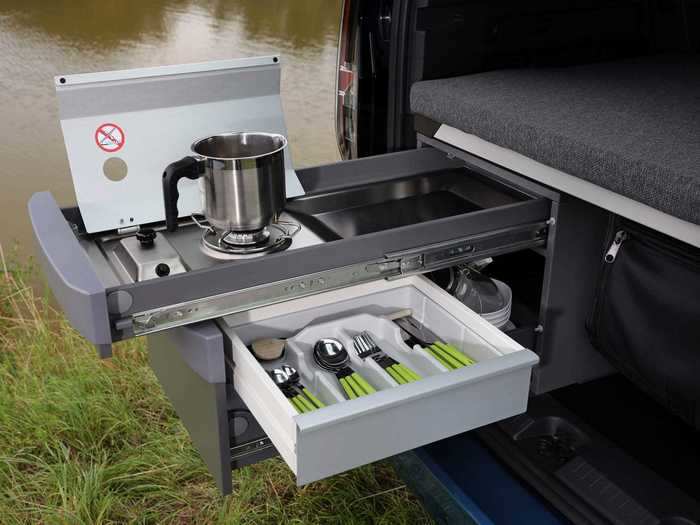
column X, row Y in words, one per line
column 169, row 253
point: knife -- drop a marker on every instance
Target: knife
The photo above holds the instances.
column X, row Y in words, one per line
column 448, row 355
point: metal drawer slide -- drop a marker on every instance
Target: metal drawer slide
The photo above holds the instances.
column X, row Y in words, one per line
column 107, row 307
column 393, row 266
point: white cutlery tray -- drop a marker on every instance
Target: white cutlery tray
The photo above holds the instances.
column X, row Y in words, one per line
column 350, row 433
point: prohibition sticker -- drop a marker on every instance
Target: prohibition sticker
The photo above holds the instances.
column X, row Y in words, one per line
column 109, row 137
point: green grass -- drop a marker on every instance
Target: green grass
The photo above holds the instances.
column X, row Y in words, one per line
column 90, row 441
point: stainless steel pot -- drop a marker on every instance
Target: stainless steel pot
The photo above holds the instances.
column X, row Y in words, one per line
column 242, row 177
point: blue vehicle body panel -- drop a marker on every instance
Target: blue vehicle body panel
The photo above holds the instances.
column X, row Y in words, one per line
column 460, row 481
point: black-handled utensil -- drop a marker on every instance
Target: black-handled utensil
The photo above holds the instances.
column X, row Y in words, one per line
column 331, row 355
column 281, row 379
column 295, row 382
column 366, row 347
column 449, row 356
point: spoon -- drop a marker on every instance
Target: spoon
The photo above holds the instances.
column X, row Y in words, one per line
column 281, row 379
column 294, row 380
column 331, row 355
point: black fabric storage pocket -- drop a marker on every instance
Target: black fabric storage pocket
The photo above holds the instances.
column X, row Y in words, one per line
column 646, row 317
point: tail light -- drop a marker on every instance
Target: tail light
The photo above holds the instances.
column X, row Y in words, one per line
column 346, row 107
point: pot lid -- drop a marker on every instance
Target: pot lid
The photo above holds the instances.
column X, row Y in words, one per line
column 122, row 128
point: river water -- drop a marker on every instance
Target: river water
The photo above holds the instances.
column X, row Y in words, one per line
column 40, row 39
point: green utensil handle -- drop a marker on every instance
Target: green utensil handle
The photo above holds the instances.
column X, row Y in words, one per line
column 308, row 407
column 410, row 373
column 395, row 375
column 295, row 404
column 316, row 401
column 348, row 389
column 359, row 391
column 401, row 371
column 447, row 357
column 438, row 357
column 369, row 389
column 415, row 374
column 456, row 354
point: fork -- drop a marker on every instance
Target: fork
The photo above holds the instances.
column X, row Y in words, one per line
column 366, row 347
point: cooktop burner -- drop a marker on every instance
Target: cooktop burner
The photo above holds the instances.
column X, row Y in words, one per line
column 226, row 245
column 249, row 238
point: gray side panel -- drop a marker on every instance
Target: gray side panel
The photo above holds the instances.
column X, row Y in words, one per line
column 566, row 354
column 69, row 271
column 189, row 363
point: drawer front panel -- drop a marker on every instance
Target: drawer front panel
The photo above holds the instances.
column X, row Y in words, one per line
column 383, row 431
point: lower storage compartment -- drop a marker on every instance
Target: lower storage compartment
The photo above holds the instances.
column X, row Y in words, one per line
column 370, row 410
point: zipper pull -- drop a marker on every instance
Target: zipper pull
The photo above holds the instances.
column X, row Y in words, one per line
column 620, row 237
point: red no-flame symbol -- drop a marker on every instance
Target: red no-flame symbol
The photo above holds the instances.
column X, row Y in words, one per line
column 109, row 137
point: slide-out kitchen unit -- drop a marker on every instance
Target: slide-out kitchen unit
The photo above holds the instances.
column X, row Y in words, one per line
column 360, row 238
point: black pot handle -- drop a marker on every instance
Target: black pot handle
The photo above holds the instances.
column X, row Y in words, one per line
column 187, row 167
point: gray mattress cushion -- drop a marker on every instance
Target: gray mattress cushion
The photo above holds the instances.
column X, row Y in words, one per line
column 631, row 126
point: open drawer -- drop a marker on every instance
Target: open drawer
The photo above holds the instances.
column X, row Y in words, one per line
column 349, row 433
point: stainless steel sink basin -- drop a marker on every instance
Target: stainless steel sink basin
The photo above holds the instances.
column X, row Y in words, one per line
column 376, row 207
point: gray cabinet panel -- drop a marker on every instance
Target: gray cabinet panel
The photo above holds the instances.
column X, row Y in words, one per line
column 189, row 363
